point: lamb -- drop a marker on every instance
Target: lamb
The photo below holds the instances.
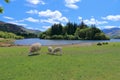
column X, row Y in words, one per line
column 50, row 50
column 57, row 49
column 34, row 48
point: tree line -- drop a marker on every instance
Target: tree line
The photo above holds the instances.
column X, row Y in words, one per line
column 7, row 35
column 73, row 31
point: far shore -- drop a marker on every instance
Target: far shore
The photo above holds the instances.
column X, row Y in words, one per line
column 10, row 43
column 72, row 44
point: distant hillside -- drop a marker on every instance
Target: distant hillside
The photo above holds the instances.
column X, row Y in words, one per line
column 112, row 32
column 18, row 30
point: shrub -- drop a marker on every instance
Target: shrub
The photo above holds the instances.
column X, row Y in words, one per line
column 99, row 44
column 57, row 37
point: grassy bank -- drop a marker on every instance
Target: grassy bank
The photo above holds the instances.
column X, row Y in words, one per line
column 6, row 42
column 77, row 63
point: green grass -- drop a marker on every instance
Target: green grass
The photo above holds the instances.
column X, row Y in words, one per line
column 76, row 63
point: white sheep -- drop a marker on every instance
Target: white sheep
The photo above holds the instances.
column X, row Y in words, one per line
column 34, row 48
column 57, row 49
column 50, row 50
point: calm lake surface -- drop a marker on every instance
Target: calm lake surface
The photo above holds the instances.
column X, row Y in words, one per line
column 58, row 42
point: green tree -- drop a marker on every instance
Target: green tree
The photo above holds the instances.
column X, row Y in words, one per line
column 101, row 36
column 73, row 31
column 71, row 28
column 1, row 8
column 56, row 29
column 82, row 25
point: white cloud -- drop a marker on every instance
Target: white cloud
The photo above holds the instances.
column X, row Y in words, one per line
column 52, row 16
column 51, row 21
column 80, row 18
column 49, row 13
column 21, row 24
column 32, row 12
column 108, row 27
column 33, row 28
column 94, row 21
column 30, row 19
column 7, row 17
column 46, row 27
column 112, row 17
column 20, row 20
column 36, row 2
column 71, row 3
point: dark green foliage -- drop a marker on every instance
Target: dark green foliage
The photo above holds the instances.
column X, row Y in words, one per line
column 70, row 37
column 71, row 28
column 57, row 37
column 56, row 29
column 99, row 44
column 82, row 25
column 7, row 1
column 105, row 43
column 1, row 8
column 72, row 31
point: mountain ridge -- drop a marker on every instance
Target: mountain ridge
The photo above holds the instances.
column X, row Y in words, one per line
column 112, row 32
column 18, row 30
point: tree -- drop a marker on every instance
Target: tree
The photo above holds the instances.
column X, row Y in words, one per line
column 56, row 29
column 71, row 31
column 82, row 25
column 71, row 28
column 1, row 8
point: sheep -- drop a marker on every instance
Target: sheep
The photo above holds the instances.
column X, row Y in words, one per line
column 57, row 49
column 34, row 48
column 50, row 50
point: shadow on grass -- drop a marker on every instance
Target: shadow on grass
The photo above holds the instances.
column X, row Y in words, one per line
column 33, row 54
column 54, row 54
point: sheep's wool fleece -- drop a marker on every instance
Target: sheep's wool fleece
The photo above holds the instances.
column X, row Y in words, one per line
column 35, row 46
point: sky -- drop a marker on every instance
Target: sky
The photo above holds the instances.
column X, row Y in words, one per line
column 42, row 14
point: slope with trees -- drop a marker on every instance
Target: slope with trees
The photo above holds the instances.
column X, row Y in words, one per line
column 18, row 30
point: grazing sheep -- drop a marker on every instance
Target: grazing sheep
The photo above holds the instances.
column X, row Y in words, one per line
column 34, row 48
column 57, row 49
column 50, row 50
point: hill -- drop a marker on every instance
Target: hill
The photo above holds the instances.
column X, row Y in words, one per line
column 112, row 32
column 18, row 30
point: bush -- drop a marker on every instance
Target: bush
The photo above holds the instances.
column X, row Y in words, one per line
column 105, row 43
column 101, row 36
column 99, row 44
column 57, row 37
column 7, row 35
column 70, row 37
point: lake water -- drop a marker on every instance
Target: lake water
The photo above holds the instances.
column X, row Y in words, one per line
column 58, row 42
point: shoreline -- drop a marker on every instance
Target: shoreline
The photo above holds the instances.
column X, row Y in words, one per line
column 75, row 44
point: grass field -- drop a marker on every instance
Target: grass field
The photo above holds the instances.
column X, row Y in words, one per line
column 77, row 63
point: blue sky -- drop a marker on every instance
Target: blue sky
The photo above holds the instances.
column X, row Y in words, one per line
column 41, row 14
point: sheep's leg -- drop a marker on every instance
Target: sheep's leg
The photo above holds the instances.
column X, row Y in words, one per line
column 60, row 52
column 30, row 53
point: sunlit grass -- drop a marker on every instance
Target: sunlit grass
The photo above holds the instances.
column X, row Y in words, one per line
column 77, row 63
